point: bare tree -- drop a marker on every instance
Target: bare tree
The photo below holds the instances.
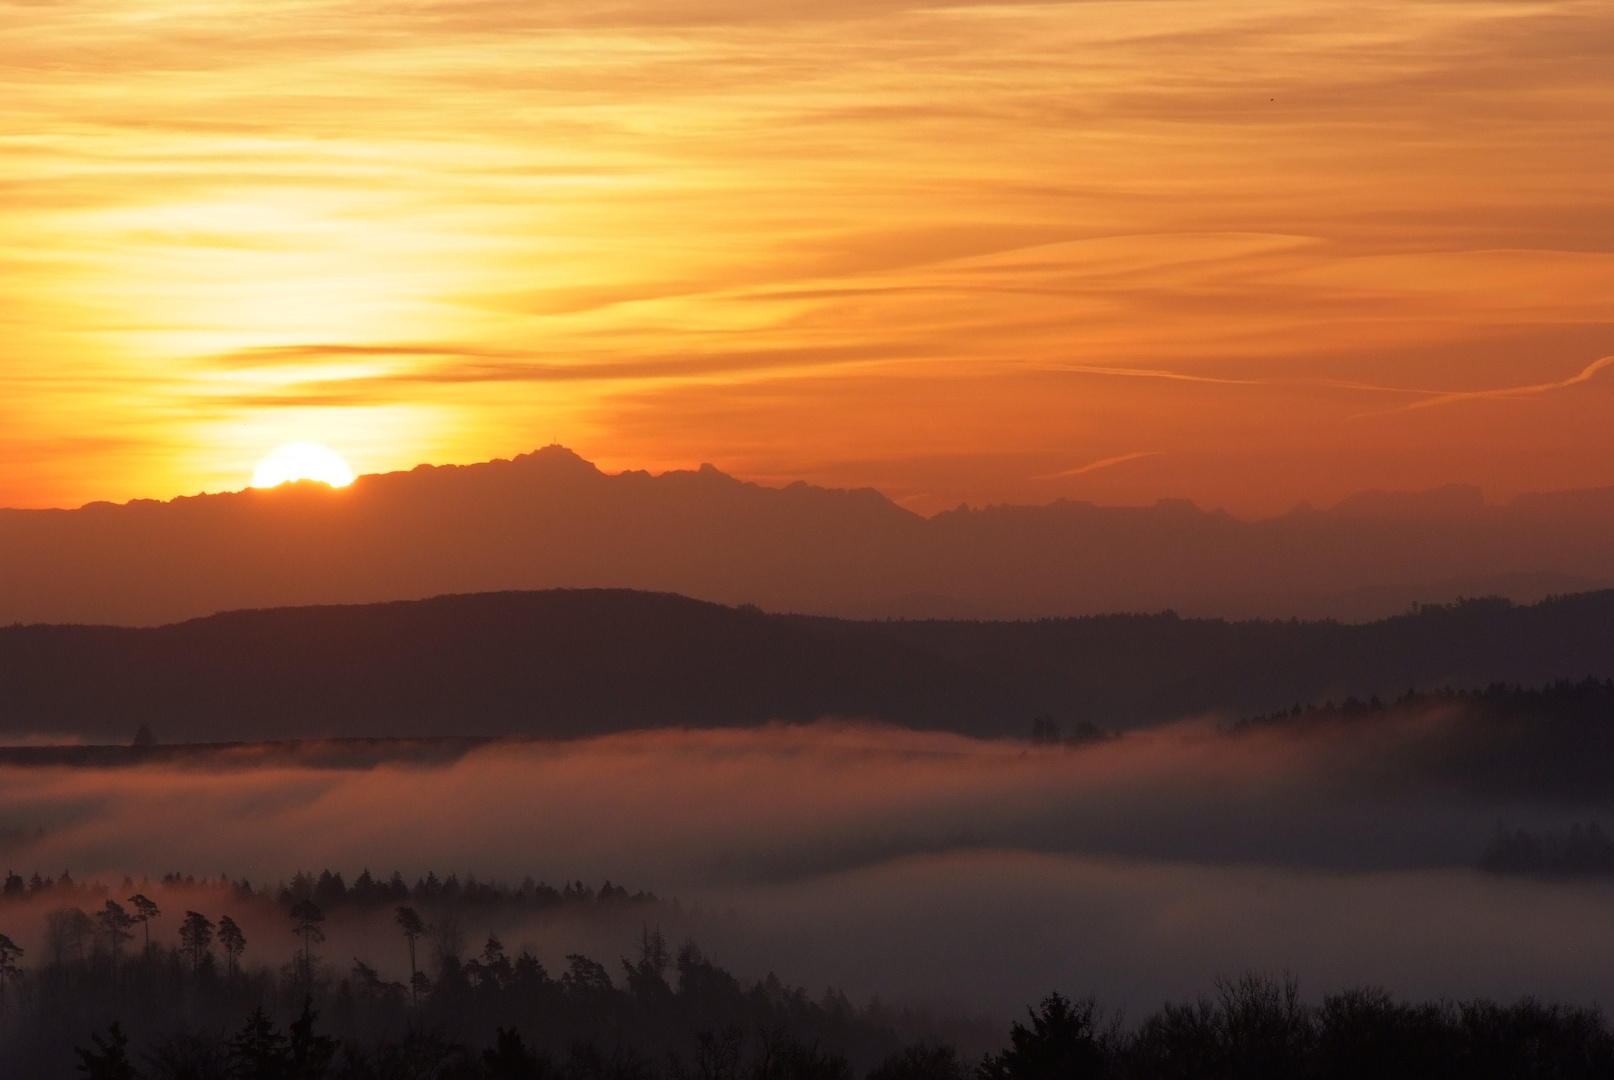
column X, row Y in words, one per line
column 196, row 939
column 145, row 911
column 233, row 941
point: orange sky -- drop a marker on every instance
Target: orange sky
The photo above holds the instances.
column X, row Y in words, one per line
column 1238, row 252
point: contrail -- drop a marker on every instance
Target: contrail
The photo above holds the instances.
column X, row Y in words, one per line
column 1157, row 373
column 1431, row 397
column 1101, row 464
column 1585, row 375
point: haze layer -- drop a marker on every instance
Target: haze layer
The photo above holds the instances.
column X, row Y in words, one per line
column 927, row 865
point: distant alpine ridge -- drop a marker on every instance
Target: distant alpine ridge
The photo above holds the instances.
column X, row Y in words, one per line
column 549, row 519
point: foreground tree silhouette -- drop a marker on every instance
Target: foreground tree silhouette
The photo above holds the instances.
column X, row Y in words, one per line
column 196, row 939
column 509, row 1059
column 410, row 922
column 258, row 1049
column 781, row 1056
column 260, row 1052
column 1062, row 1043
column 310, row 1053
column 145, row 911
column 922, row 1061
column 233, row 941
column 109, row 1058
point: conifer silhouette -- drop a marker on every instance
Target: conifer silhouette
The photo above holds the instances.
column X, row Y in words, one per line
column 145, row 911
column 196, row 939
column 233, row 942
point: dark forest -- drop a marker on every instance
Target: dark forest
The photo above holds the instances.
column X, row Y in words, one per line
column 113, row 1003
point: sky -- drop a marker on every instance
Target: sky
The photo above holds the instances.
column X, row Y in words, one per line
column 1245, row 253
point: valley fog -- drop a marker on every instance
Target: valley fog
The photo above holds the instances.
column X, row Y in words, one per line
column 967, row 875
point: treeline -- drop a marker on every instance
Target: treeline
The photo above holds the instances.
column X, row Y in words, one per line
column 1552, row 744
column 109, row 999
column 1255, row 1028
column 120, row 1006
column 1252, row 1028
column 329, row 890
column 1581, row 851
column 1565, row 701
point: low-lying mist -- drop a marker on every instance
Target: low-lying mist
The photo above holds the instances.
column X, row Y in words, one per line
column 922, row 867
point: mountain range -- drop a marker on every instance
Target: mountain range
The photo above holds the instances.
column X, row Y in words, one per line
column 550, row 519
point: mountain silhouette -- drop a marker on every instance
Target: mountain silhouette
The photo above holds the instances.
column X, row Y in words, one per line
column 576, row 662
column 549, row 519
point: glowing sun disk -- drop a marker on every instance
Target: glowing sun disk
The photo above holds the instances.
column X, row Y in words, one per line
column 302, row 461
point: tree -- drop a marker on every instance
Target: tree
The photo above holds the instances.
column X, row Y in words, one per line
column 509, row 1059
column 447, row 941
column 109, row 1058
column 310, row 1053
column 921, row 1061
column 145, row 911
column 9, row 952
column 258, row 1050
column 116, row 925
column 495, row 967
column 196, row 939
column 585, row 976
column 306, row 917
column 647, row 979
column 1063, row 1043
column 233, row 941
column 414, row 929
column 717, row 1054
column 66, row 930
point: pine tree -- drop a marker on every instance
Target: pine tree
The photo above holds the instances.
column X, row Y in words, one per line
column 233, row 941
column 196, row 939
column 145, row 911
column 108, row 1059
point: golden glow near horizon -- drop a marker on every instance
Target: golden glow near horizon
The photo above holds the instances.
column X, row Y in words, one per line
column 302, row 461
column 1246, row 253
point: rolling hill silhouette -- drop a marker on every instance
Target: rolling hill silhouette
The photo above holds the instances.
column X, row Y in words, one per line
column 552, row 520
column 574, row 662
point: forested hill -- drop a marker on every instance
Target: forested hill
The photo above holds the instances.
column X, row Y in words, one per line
column 571, row 662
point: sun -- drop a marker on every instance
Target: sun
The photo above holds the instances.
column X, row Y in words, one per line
column 302, row 461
